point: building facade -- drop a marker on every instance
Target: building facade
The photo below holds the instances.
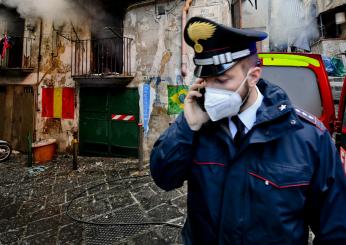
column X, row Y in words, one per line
column 114, row 79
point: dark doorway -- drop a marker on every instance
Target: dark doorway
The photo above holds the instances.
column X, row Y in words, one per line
column 108, row 121
column 11, row 25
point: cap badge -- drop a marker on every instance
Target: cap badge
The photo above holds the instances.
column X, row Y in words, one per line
column 200, row 31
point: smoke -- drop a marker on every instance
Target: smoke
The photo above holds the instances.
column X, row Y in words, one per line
column 56, row 10
column 292, row 23
column 78, row 12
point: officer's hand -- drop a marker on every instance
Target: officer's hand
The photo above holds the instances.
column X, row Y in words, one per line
column 194, row 115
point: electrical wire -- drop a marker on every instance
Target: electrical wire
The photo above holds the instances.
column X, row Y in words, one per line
column 117, row 223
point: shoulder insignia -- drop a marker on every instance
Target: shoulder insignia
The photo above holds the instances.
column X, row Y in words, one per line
column 310, row 118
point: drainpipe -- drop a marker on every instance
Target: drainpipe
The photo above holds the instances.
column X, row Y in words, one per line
column 321, row 26
column 140, row 4
column 39, row 58
column 240, row 14
column 184, row 57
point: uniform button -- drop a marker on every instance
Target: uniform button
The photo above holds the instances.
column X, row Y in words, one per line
column 293, row 122
column 266, row 182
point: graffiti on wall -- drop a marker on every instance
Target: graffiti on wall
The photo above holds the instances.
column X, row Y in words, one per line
column 176, row 92
column 157, row 101
column 58, row 102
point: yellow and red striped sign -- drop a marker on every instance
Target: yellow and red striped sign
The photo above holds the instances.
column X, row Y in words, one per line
column 121, row 117
column 58, row 102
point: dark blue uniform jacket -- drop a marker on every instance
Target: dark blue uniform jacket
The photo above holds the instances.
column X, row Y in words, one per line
column 286, row 176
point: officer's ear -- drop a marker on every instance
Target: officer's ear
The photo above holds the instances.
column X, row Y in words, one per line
column 254, row 76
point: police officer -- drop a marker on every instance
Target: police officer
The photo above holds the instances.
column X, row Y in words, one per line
column 259, row 171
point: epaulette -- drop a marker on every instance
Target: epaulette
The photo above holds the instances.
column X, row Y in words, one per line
column 310, row 118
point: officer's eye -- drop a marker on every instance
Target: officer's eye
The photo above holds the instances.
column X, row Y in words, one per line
column 221, row 80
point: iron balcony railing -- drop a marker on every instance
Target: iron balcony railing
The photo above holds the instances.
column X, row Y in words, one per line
column 98, row 57
column 18, row 54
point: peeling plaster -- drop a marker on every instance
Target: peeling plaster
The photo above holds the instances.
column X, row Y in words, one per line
column 133, row 19
column 157, row 54
column 165, row 59
column 160, row 49
column 56, row 72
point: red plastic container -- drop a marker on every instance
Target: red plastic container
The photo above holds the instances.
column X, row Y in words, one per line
column 44, row 150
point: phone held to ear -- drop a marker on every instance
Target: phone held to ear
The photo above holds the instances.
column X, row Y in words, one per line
column 200, row 100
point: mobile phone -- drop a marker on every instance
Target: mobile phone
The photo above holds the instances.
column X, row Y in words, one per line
column 200, row 100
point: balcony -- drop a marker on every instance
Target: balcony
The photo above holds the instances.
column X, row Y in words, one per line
column 17, row 58
column 102, row 61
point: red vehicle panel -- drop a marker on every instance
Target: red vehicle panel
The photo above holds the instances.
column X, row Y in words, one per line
column 304, row 78
column 340, row 126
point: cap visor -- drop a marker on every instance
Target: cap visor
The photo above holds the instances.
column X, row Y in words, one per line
column 212, row 70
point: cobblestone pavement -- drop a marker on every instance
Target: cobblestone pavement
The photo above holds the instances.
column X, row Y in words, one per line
column 34, row 203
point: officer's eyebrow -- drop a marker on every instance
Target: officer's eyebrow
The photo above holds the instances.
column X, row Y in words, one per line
column 224, row 78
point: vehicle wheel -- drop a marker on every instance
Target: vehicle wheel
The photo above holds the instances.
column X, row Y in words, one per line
column 5, row 152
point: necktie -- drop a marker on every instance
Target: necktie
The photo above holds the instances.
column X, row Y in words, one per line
column 240, row 130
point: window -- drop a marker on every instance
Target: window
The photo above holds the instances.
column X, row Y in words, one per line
column 329, row 28
column 299, row 83
column 11, row 30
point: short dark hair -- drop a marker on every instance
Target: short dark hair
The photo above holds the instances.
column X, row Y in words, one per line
column 249, row 62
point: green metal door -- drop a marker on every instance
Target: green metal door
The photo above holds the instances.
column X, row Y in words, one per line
column 108, row 122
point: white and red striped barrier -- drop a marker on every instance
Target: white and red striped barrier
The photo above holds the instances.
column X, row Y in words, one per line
column 118, row 117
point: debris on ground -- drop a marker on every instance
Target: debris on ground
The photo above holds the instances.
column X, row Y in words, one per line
column 36, row 170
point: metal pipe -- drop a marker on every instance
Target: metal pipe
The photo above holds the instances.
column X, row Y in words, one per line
column 125, row 60
column 321, row 26
column 75, row 57
column 184, row 57
column 140, row 147
column 240, row 14
column 129, row 52
column 102, row 57
column 87, row 56
column 114, row 32
column 108, row 56
column 115, row 44
column 72, row 43
column 35, row 89
column 75, row 151
column 82, row 57
column 111, row 56
column 30, row 55
column 98, row 57
column 25, row 53
column 29, row 160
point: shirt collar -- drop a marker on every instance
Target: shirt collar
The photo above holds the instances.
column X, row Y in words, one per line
column 248, row 117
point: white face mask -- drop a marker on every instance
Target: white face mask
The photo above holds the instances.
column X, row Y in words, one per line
column 221, row 103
